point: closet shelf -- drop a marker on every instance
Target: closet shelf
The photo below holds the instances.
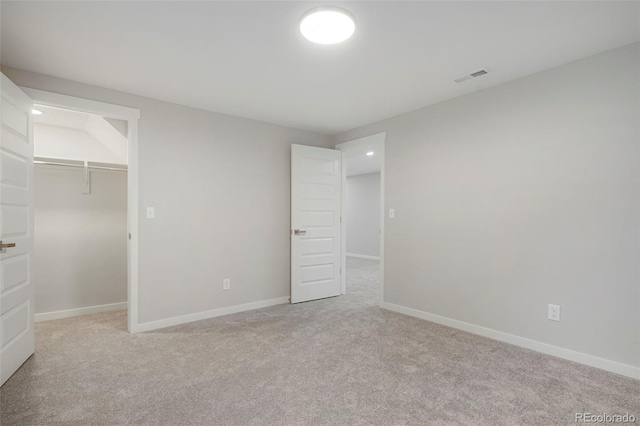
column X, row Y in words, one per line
column 80, row 164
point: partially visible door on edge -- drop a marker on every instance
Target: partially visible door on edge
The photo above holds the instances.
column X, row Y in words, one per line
column 16, row 229
column 316, row 208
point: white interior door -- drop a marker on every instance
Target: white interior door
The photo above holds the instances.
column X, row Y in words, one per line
column 16, row 229
column 316, row 209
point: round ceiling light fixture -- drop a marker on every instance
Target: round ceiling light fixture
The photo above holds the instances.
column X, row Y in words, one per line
column 327, row 25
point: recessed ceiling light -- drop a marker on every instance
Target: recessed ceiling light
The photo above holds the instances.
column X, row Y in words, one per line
column 36, row 112
column 370, row 153
column 327, row 25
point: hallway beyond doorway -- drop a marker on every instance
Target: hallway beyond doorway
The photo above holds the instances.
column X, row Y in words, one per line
column 363, row 281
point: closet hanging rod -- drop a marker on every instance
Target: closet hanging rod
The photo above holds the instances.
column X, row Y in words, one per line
column 80, row 166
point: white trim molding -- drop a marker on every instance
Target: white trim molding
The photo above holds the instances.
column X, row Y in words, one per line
column 85, row 105
column 131, row 115
column 69, row 313
column 363, row 256
column 183, row 319
column 579, row 357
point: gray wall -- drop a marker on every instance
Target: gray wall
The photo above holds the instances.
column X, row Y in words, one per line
column 363, row 214
column 80, row 255
column 220, row 186
column 519, row 196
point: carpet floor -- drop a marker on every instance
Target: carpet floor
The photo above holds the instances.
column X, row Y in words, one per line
column 338, row 361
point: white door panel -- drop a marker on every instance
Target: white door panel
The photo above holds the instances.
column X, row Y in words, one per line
column 14, row 116
column 15, row 271
column 316, row 202
column 16, row 227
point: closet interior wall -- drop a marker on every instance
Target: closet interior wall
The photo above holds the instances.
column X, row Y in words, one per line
column 80, row 213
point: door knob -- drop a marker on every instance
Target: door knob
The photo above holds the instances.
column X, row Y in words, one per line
column 7, row 245
column 299, row 232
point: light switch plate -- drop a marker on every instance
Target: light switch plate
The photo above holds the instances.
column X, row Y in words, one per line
column 392, row 213
column 151, row 213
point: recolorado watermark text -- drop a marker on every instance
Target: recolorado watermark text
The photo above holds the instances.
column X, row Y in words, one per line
column 604, row 418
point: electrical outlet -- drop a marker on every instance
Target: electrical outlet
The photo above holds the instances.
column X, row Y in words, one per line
column 226, row 284
column 554, row 312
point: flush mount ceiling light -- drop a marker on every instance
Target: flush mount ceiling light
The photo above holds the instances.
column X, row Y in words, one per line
column 370, row 153
column 36, row 112
column 327, row 25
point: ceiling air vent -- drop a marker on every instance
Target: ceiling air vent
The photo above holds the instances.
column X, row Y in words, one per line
column 474, row 74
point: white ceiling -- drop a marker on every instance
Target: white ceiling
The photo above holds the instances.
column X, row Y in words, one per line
column 95, row 129
column 248, row 58
column 359, row 163
column 61, row 117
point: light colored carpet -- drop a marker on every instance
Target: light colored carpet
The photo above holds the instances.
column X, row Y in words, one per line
column 334, row 361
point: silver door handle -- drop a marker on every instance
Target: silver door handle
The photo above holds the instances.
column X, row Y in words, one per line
column 299, row 232
column 7, row 245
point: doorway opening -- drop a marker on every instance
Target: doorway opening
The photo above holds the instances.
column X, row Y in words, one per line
column 86, row 206
column 363, row 217
column 80, row 213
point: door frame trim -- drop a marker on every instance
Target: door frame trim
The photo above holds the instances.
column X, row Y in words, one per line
column 131, row 116
column 376, row 141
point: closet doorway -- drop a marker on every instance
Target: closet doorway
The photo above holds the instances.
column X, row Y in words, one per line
column 85, row 207
column 80, row 213
column 363, row 217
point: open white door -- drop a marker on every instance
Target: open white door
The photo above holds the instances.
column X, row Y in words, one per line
column 316, row 209
column 16, row 229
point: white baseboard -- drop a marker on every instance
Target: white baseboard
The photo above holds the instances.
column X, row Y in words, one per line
column 593, row 361
column 363, row 256
column 183, row 319
column 47, row 316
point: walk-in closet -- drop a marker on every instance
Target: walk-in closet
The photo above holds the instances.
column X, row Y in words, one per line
column 80, row 213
